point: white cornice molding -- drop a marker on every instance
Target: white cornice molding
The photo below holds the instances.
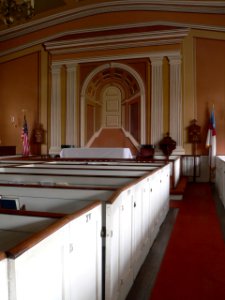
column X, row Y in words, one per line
column 174, row 53
column 122, row 41
column 140, row 36
column 209, row 7
column 121, row 46
column 46, row 40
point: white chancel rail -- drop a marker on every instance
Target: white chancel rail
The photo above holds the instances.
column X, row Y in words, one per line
column 96, row 250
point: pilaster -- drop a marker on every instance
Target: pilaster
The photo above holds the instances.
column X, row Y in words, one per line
column 55, row 146
column 176, row 125
column 71, row 86
column 156, row 99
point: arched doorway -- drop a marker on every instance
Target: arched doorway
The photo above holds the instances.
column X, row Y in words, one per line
column 113, row 96
column 111, row 114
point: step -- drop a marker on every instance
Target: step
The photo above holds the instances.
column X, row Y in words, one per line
column 178, row 192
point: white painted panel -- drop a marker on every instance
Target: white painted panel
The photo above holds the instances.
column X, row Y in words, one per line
column 125, row 244
column 3, row 279
column 85, row 256
column 38, row 272
column 137, row 224
column 65, row 265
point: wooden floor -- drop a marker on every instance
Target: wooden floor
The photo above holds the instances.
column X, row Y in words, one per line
column 144, row 282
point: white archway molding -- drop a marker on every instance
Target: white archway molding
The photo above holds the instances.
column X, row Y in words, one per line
column 142, row 95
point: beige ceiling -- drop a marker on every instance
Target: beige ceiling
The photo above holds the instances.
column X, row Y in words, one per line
column 46, row 8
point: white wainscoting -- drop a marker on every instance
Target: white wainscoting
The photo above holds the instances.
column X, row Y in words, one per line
column 202, row 167
column 220, row 177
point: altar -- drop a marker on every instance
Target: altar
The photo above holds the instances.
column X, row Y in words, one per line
column 96, row 153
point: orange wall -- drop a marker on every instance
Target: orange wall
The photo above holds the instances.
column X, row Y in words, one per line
column 19, row 90
column 210, row 88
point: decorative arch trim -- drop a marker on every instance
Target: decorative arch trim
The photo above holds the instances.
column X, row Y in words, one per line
column 142, row 96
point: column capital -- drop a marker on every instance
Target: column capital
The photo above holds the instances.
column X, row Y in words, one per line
column 175, row 59
column 55, row 69
column 71, row 66
column 156, row 60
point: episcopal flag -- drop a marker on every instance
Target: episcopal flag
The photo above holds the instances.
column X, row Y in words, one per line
column 211, row 139
column 24, row 136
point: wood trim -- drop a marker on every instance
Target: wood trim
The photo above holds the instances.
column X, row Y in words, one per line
column 27, row 213
column 2, row 256
column 55, row 186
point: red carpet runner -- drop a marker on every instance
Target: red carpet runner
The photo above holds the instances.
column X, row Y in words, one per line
column 193, row 267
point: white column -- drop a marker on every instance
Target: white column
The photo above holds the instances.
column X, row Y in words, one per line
column 176, row 125
column 156, row 100
column 55, row 146
column 71, row 85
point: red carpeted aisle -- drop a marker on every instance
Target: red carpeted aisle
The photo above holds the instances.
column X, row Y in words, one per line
column 193, row 267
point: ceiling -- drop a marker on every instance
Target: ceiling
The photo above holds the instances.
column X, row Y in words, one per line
column 46, row 10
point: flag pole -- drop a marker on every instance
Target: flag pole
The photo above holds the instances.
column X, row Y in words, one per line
column 210, row 164
column 211, row 144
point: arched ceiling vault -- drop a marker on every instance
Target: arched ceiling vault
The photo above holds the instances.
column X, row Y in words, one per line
column 113, row 75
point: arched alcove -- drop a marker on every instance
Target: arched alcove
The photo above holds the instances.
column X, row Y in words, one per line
column 113, row 95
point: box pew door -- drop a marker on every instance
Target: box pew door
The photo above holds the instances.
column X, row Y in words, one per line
column 84, row 264
column 119, row 268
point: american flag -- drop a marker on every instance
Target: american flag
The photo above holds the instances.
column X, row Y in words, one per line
column 24, row 136
column 211, row 139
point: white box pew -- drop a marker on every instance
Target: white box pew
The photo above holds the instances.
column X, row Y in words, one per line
column 62, row 261
column 18, row 162
column 103, row 166
column 78, row 171
column 15, row 227
column 133, row 216
column 175, row 167
column 66, row 179
column 3, row 276
column 104, row 163
column 57, row 199
column 174, row 161
column 133, row 219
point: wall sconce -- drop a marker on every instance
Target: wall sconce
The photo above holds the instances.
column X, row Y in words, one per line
column 13, row 121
